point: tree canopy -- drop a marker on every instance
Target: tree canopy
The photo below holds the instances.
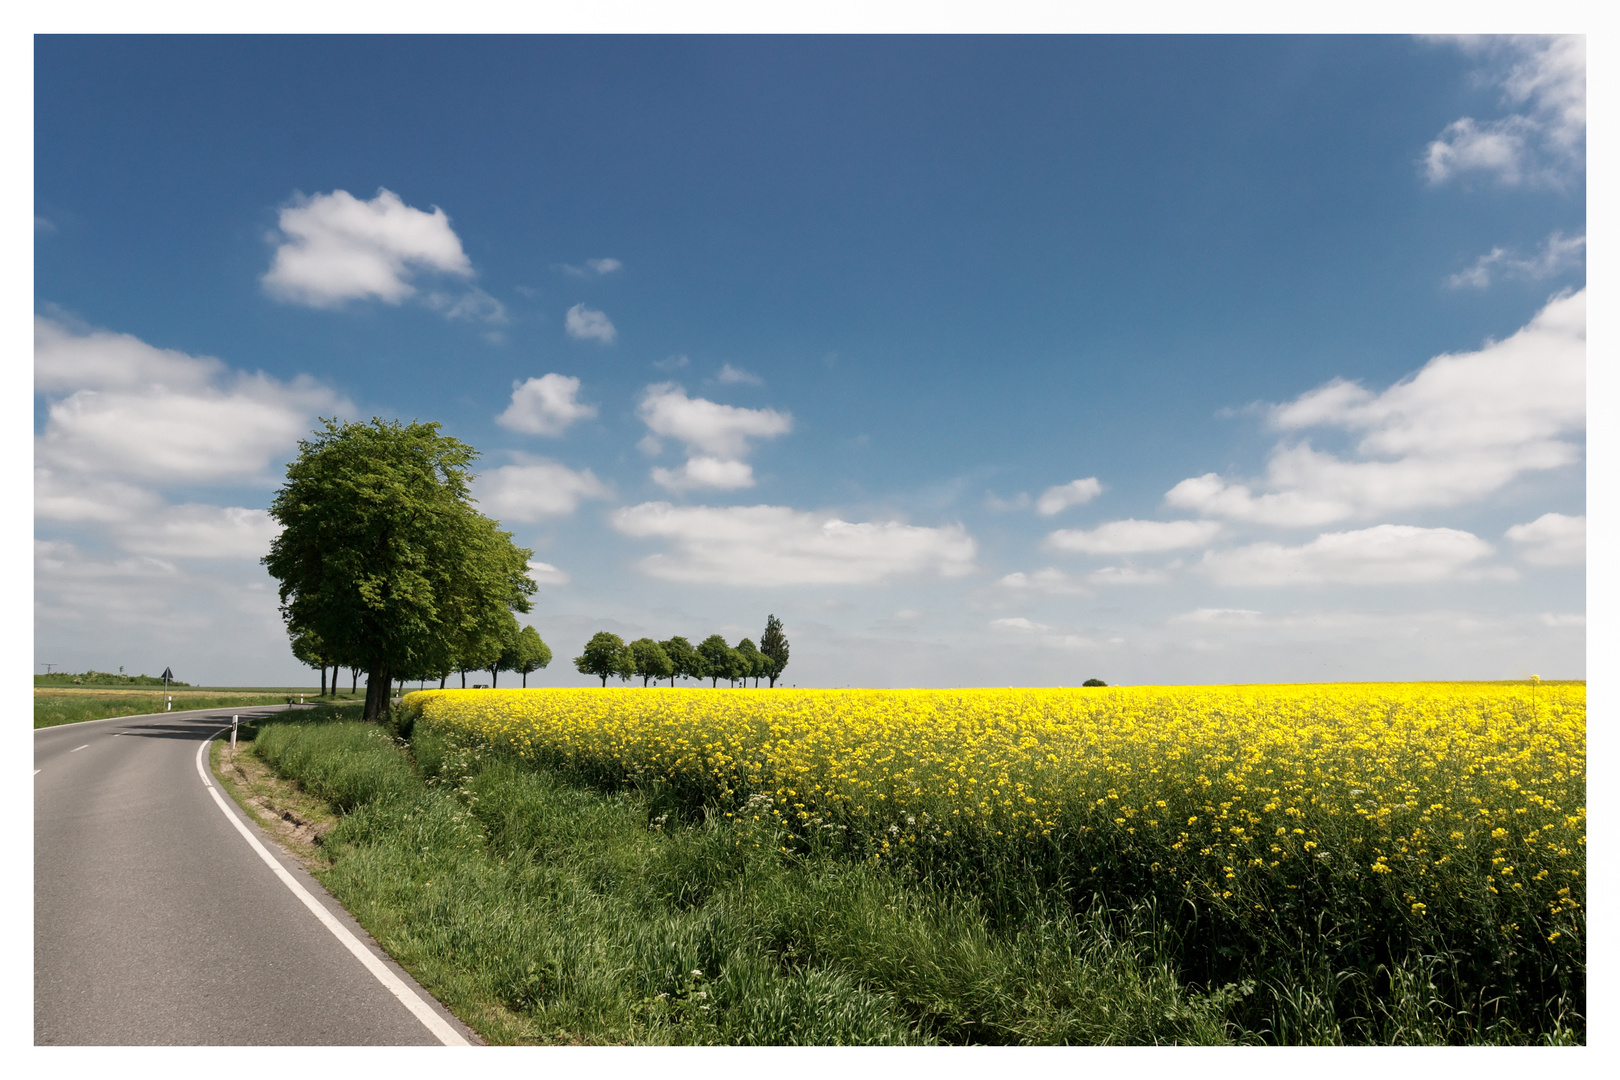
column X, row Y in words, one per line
column 606, row 654
column 685, row 661
column 717, row 661
column 651, row 661
column 529, row 653
column 773, row 643
column 382, row 555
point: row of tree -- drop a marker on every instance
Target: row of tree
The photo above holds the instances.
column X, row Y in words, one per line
column 607, row 656
column 518, row 650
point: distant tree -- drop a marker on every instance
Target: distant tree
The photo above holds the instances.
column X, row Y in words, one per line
column 773, row 644
column 606, row 654
column 685, row 661
column 531, row 654
column 752, row 662
column 307, row 648
column 1093, row 682
column 507, row 658
column 651, row 661
column 716, row 658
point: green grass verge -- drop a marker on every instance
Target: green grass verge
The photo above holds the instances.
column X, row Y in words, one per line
column 544, row 912
column 72, row 706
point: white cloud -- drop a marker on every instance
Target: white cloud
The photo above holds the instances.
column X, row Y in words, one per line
column 545, row 406
column 731, row 376
column 1126, row 575
column 1382, row 555
column 1214, row 617
column 1075, row 493
column 1131, row 536
column 706, row 427
column 1552, row 540
column 75, row 497
column 1557, row 254
column 777, row 545
column 706, row 472
column 1562, row 621
column 335, row 248
column 716, row 437
column 584, row 324
column 547, row 576
column 1049, row 580
column 195, row 531
column 996, row 504
column 1542, row 143
column 80, row 358
column 672, row 363
column 182, row 437
column 533, row 489
column 1461, row 427
column 1020, row 623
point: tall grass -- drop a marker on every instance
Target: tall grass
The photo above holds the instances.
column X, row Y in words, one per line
column 542, row 910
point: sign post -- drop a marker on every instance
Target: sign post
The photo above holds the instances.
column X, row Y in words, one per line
column 168, row 702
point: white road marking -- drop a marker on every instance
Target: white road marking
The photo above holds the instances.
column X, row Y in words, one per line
column 36, row 772
column 407, row 997
column 76, row 749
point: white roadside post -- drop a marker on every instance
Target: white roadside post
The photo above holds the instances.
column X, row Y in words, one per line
column 234, row 721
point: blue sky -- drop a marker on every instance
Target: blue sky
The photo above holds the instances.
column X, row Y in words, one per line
column 977, row 360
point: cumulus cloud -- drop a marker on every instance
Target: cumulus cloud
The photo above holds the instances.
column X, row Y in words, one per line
column 705, row 472
column 533, row 489
column 160, row 415
column 547, row 576
column 335, row 248
column 1050, row 580
column 716, row 437
column 1460, row 428
column 474, row 305
column 1557, row 254
column 1552, row 540
column 1382, row 555
column 1130, row 536
column 196, row 531
column 1544, row 140
column 584, row 324
column 731, row 376
column 75, row 497
column 1126, row 575
column 761, row 546
column 545, row 406
column 1075, row 493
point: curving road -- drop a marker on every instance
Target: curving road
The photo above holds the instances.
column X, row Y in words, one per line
column 158, row 922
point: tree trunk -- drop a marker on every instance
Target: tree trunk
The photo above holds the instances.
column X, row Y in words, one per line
column 464, row 678
column 442, row 679
column 525, row 680
column 323, row 678
column 773, row 682
column 378, row 685
column 493, row 678
column 604, row 682
column 354, row 679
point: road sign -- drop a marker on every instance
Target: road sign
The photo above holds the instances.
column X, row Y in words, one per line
column 167, row 674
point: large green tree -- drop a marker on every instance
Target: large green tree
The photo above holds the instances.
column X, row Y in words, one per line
column 307, row 648
column 382, row 554
column 716, row 658
column 751, row 662
column 529, row 654
column 774, row 644
column 606, row 654
column 686, row 662
column 652, row 662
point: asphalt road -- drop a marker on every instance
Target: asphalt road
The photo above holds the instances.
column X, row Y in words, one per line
column 157, row 923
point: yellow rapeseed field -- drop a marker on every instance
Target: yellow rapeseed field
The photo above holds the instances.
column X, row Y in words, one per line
column 1421, row 803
